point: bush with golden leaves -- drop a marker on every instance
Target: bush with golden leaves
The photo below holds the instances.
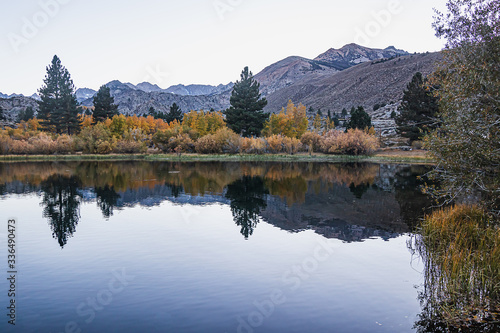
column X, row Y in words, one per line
column 224, row 141
column 291, row 145
column 312, row 140
column 124, row 146
column 41, row 144
column 64, row 144
column 282, row 144
column 180, row 143
column 253, row 145
column 352, row 142
column 228, row 140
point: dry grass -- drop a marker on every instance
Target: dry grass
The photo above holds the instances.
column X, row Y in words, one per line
column 460, row 247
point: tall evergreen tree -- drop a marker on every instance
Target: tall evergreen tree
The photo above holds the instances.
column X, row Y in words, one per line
column 359, row 119
column 175, row 113
column 26, row 114
column 104, row 106
column 58, row 105
column 418, row 110
column 245, row 116
column 2, row 115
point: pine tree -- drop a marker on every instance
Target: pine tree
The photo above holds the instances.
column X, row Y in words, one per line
column 175, row 113
column 152, row 112
column 58, row 106
column 2, row 115
column 25, row 115
column 359, row 119
column 104, row 106
column 245, row 116
column 336, row 120
column 344, row 113
column 418, row 110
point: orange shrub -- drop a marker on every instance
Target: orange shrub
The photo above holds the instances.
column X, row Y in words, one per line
column 311, row 140
column 253, row 145
column 207, row 145
column 64, row 144
column 129, row 147
column 291, row 145
column 19, row 147
column 181, row 142
column 354, row 142
column 41, row 144
column 223, row 141
column 275, row 144
column 228, row 140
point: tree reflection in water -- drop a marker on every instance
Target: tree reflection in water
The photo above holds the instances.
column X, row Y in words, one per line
column 288, row 195
column 248, row 198
column 107, row 199
column 61, row 203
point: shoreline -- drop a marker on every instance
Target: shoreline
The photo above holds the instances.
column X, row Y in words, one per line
column 379, row 157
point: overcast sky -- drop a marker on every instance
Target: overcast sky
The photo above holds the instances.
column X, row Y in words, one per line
column 193, row 41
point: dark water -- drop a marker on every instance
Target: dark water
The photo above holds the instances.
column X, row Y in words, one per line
column 211, row 247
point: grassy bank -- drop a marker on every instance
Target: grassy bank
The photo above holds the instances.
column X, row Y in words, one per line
column 381, row 157
column 460, row 247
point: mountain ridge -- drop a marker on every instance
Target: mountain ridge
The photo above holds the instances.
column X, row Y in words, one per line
column 350, row 76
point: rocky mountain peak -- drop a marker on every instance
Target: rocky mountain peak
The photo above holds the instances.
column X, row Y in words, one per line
column 353, row 54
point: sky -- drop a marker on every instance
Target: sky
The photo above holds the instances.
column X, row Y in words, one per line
column 193, row 41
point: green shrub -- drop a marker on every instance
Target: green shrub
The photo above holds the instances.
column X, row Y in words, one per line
column 95, row 140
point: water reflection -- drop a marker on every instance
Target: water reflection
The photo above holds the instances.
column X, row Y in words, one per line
column 61, row 205
column 350, row 202
column 247, row 197
column 107, row 199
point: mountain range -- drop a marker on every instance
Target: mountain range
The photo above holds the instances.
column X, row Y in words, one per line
column 338, row 78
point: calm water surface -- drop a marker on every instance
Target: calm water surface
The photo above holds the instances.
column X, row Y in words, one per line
column 211, row 247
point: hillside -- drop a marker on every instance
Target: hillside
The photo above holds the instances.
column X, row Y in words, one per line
column 365, row 84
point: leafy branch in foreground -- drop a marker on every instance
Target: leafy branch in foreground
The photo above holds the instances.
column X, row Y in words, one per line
column 467, row 146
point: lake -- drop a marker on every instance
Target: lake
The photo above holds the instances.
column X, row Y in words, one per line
column 210, row 247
